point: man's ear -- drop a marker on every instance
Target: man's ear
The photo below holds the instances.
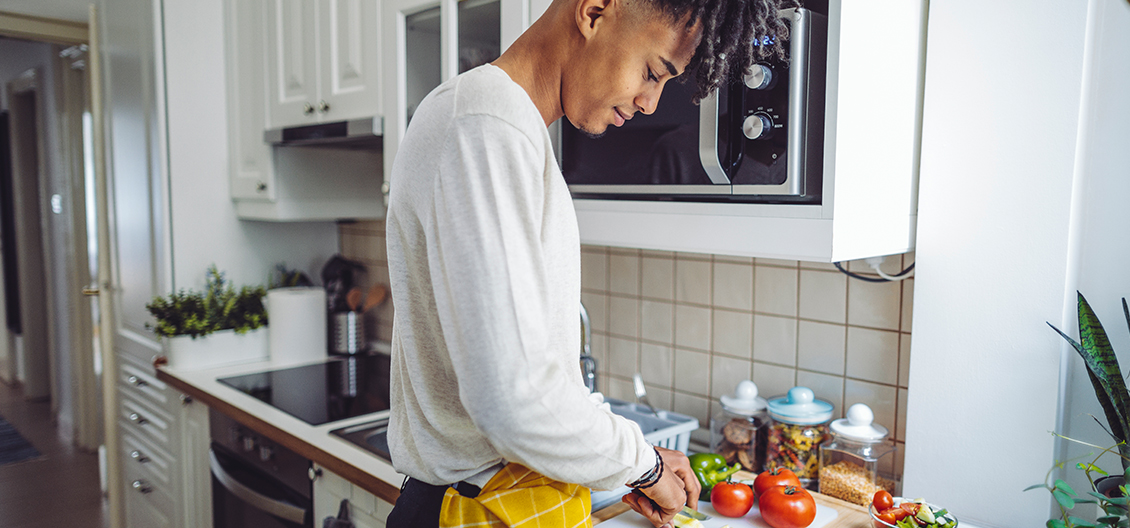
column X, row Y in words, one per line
column 591, row 15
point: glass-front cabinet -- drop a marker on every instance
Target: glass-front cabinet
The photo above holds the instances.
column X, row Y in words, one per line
column 427, row 42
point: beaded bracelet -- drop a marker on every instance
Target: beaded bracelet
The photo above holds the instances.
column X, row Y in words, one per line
column 650, row 478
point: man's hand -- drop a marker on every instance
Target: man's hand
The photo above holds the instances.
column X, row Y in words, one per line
column 677, row 487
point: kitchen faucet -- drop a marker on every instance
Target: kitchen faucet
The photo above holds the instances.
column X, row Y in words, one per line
column 588, row 363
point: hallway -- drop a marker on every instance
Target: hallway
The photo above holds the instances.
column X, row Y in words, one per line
column 60, row 489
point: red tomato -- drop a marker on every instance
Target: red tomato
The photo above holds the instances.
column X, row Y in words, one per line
column 773, row 478
column 898, row 513
column 731, row 499
column 882, row 500
column 787, row 507
column 888, row 517
column 911, row 508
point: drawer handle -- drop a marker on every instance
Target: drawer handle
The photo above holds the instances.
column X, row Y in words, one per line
column 136, row 455
column 142, row 486
column 307, row 109
column 137, row 419
column 137, row 382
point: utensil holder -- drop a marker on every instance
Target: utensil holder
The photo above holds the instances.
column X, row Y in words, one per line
column 348, row 333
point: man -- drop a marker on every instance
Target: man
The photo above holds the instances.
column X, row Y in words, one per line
column 490, row 417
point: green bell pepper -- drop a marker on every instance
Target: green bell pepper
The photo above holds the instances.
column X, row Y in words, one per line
column 711, row 468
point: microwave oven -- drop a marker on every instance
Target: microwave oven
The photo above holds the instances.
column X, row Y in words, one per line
column 758, row 139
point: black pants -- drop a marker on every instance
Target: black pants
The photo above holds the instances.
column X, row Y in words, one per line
column 420, row 502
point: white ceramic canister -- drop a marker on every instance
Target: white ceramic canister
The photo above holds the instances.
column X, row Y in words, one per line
column 297, row 324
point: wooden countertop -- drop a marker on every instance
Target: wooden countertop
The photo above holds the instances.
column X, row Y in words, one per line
column 352, row 463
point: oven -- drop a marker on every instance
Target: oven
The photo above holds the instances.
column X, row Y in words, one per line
column 760, row 140
column 257, row 483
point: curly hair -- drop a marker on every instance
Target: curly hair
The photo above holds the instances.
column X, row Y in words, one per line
column 730, row 31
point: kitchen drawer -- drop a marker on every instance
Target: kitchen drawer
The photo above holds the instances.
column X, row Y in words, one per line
column 153, row 463
column 140, row 380
column 148, row 503
column 144, row 421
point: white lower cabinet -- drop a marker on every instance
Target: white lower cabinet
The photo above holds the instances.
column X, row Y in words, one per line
column 366, row 510
column 163, row 442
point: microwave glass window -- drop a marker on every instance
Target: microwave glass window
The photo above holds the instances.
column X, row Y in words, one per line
column 480, row 32
column 422, row 53
column 656, row 149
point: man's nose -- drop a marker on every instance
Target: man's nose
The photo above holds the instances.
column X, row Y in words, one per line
column 649, row 99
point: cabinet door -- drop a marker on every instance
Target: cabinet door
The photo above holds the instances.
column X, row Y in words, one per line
column 348, row 59
column 291, row 63
column 251, row 170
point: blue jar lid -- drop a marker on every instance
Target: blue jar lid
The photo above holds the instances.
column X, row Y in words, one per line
column 800, row 407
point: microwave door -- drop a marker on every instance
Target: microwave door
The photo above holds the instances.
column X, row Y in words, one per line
column 650, row 155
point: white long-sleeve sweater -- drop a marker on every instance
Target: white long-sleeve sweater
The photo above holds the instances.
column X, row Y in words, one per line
column 484, row 263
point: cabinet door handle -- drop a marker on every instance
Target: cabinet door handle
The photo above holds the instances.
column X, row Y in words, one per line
column 142, row 486
column 307, row 109
column 323, row 106
column 137, row 419
column 136, row 455
column 261, row 187
column 136, row 381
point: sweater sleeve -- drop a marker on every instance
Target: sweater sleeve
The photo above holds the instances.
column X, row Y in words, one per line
column 488, row 277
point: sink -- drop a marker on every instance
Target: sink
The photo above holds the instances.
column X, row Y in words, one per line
column 370, row 436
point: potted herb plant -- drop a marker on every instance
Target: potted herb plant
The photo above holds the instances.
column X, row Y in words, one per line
column 1110, row 389
column 219, row 326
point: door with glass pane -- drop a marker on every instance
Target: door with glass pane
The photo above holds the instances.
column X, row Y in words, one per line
column 427, row 42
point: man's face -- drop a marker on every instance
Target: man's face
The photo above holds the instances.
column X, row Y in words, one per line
column 628, row 58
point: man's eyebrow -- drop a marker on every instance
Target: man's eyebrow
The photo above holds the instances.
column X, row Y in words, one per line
column 670, row 67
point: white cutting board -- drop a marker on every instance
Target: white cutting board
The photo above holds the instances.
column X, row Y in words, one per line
column 631, row 519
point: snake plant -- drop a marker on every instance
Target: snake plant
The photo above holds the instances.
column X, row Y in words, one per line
column 1105, row 374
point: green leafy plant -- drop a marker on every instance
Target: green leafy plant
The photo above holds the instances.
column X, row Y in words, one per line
column 219, row 307
column 288, row 278
column 1110, row 390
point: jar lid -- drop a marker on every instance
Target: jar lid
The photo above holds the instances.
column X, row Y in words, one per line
column 745, row 400
column 857, row 426
column 800, row 407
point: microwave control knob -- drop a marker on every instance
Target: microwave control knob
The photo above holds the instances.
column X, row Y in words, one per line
column 759, row 77
column 757, row 126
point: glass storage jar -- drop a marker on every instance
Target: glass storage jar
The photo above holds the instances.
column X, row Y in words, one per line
column 798, row 424
column 850, row 464
column 737, row 431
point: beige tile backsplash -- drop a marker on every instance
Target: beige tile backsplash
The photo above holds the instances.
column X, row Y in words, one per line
column 694, row 325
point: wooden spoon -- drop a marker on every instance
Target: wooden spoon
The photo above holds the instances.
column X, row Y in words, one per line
column 376, row 296
column 353, row 299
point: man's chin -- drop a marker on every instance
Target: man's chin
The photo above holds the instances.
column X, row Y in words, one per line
column 591, row 134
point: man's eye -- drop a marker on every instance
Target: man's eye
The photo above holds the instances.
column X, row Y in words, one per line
column 651, row 75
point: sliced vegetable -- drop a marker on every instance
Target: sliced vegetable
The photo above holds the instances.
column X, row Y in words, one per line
column 710, row 469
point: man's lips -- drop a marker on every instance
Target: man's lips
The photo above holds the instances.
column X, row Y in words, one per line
column 621, row 117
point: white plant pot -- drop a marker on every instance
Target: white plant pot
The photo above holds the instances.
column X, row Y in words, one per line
column 217, row 349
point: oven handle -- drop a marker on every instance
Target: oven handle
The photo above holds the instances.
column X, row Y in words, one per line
column 253, row 498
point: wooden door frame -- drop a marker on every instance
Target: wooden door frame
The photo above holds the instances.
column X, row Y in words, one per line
column 41, row 29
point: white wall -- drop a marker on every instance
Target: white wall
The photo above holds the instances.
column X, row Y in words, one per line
column 998, row 153
column 206, row 229
column 1099, row 261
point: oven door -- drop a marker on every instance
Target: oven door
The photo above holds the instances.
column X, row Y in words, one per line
column 243, row 496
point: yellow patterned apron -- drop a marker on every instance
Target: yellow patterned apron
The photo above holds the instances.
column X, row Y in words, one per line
column 518, row 497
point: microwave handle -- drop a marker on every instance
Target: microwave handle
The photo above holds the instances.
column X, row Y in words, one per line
column 253, row 498
column 708, row 139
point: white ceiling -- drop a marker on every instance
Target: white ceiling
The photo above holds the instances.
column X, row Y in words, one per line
column 73, row 10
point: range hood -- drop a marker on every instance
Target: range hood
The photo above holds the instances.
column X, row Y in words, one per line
column 362, row 132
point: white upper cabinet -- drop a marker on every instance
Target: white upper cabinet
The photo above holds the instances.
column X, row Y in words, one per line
column 349, row 58
column 323, row 61
column 293, row 63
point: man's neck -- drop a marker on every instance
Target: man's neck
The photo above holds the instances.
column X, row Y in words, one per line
column 535, row 61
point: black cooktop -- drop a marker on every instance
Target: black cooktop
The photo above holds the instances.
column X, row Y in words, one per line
column 340, row 388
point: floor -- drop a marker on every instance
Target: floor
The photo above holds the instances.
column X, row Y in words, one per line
column 60, row 489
